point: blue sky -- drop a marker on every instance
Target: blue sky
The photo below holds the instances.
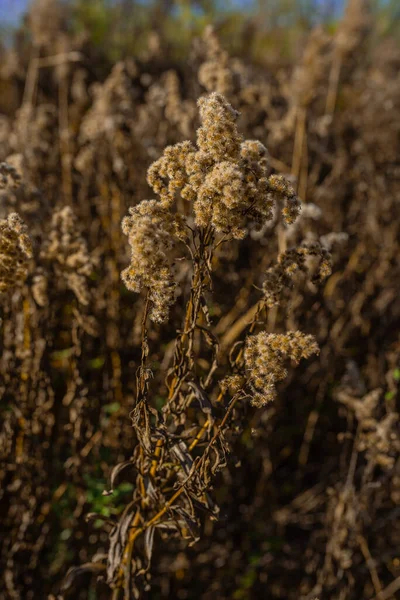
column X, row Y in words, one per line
column 11, row 10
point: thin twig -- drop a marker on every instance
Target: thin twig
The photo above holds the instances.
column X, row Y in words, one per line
column 389, row 591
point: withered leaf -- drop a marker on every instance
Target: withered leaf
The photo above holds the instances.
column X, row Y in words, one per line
column 211, row 339
column 219, row 459
column 75, row 572
column 180, row 452
column 114, row 474
column 98, row 517
column 234, row 352
column 151, row 491
column 167, row 525
column 210, row 508
column 187, row 524
column 148, row 544
column 117, row 540
column 201, row 396
column 140, row 421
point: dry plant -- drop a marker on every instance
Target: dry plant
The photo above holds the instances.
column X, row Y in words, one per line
column 15, row 252
column 351, row 32
column 222, row 187
column 232, row 289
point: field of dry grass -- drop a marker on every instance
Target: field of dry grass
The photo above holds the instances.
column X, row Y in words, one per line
column 199, row 317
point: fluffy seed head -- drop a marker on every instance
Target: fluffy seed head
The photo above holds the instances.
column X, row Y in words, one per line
column 15, row 252
column 224, row 177
column 65, row 251
column 292, row 262
column 152, row 232
column 265, row 357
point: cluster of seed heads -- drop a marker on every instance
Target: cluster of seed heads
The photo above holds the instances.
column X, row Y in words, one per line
column 66, row 251
column 9, row 176
column 152, row 232
column 15, row 252
column 215, row 74
column 226, row 181
column 265, row 357
column 308, row 75
column 292, row 262
column 45, row 19
column 353, row 27
column 224, row 177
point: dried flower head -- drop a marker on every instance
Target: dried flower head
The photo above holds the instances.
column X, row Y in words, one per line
column 178, row 112
column 265, row 357
column 286, row 194
column 215, row 74
column 218, row 135
column 378, row 433
column 66, row 251
column 45, row 19
column 231, row 383
column 292, row 262
column 353, row 27
column 112, row 107
column 15, row 252
column 308, row 75
column 152, row 232
column 225, row 177
column 9, row 176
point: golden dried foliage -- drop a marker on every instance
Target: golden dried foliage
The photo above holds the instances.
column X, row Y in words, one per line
column 15, row 252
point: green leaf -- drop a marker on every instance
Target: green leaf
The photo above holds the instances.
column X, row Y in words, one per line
column 124, row 487
column 98, row 523
column 97, row 363
column 111, row 408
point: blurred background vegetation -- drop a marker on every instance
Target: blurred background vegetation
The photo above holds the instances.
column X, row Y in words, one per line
column 252, row 28
column 269, row 37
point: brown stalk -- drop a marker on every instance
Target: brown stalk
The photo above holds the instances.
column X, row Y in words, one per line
column 192, row 312
column 371, row 567
column 135, row 531
column 301, row 121
column 240, row 325
column 333, row 86
column 65, row 150
column 196, row 465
